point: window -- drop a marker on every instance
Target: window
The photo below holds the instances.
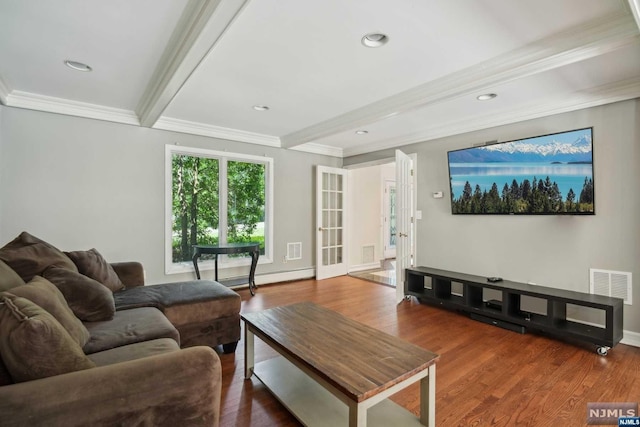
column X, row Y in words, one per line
column 216, row 198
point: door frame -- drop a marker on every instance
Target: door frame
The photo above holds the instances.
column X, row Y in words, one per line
column 386, row 160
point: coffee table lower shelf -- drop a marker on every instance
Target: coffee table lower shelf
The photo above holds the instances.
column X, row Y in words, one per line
column 315, row 406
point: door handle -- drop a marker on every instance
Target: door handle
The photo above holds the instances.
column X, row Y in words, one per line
column 321, row 229
column 403, row 235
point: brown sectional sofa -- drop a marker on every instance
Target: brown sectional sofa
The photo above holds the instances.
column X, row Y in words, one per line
column 127, row 369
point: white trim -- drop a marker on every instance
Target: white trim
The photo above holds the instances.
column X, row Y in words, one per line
column 223, row 157
column 194, row 128
column 363, row 267
column 285, row 276
column 4, row 91
column 326, row 150
column 52, row 104
column 634, row 5
column 573, row 45
column 200, row 27
column 630, row 338
column 606, row 94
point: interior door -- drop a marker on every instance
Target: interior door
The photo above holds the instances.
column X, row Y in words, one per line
column 404, row 219
column 331, row 251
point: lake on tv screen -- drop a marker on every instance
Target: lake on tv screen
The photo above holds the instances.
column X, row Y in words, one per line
column 567, row 176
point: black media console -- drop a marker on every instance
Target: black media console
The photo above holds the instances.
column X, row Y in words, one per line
column 468, row 293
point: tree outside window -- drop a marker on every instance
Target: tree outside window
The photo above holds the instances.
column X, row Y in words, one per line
column 216, row 199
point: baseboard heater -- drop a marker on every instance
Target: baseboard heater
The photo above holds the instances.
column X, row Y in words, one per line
column 499, row 323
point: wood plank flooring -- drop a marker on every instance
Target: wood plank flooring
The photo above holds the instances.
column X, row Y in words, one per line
column 486, row 376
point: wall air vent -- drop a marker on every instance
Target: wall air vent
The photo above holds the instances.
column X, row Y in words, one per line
column 368, row 254
column 611, row 284
column 294, row 251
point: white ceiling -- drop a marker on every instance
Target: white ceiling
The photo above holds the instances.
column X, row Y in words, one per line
column 198, row 66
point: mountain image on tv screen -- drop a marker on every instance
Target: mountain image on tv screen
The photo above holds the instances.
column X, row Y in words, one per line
column 550, row 174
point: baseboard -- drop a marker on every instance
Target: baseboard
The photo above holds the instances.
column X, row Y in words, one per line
column 362, row 267
column 631, row 338
column 285, row 276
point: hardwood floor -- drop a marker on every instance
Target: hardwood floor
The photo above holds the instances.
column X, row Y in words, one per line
column 486, row 376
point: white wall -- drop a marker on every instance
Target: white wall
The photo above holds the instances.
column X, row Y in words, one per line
column 366, row 211
column 555, row 251
column 79, row 183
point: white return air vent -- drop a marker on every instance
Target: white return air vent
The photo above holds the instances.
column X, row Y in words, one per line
column 294, row 251
column 611, row 284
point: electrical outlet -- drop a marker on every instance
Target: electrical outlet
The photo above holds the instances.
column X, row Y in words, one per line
column 284, row 259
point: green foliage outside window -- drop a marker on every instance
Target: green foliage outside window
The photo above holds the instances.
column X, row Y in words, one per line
column 196, row 206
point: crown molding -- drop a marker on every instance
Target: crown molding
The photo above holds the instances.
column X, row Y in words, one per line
column 634, row 5
column 194, row 128
column 201, row 25
column 325, row 150
column 576, row 44
column 606, row 94
column 51, row 104
column 4, row 91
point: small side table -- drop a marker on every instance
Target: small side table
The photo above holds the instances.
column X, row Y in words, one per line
column 251, row 248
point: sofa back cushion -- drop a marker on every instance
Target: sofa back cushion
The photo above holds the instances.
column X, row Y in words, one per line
column 92, row 264
column 89, row 300
column 33, row 344
column 8, row 278
column 44, row 294
column 29, row 256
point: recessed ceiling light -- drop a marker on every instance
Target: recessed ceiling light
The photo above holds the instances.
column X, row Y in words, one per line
column 374, row 40
column 78, row 66
column 260, row 107
column 486, row 96
column 362, row 132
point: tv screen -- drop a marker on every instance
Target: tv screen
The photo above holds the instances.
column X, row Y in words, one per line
column 544, row 175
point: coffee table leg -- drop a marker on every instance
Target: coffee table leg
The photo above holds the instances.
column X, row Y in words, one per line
column 357, row 415
column 248, row 352
column 428, row 398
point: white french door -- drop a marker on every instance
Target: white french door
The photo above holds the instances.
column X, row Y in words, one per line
column 404, row 217
column 331, row 250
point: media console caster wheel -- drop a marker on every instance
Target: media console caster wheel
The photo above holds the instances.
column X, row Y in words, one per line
column 602, row 351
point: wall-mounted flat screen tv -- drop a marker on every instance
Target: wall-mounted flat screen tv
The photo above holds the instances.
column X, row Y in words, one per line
column 543, row 175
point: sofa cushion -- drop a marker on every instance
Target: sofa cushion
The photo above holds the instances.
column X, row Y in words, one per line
column 8, row 278
column 92, row 264
column 127, row 327
column 134, row 351
column 89, row 300
column 29, row 256
column 44, row 294
column 183, row 302
column 33, row 344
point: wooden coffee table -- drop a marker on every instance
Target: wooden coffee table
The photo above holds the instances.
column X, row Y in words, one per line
column 335, row 369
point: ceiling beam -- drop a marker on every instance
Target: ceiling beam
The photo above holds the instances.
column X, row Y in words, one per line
column 202, row 24
column 634, row 5
column 576, row 44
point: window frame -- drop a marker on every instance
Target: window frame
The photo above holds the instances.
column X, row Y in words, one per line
column 223, row 157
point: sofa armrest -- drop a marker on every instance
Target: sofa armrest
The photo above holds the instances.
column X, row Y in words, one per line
column 177, row 388
column 131, row 273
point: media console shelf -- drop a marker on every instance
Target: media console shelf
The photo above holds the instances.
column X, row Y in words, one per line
column 468, row 293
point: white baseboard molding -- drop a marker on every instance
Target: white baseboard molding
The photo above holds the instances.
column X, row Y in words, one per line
column 362, row 267
column 286, row 276
column 631, row 338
